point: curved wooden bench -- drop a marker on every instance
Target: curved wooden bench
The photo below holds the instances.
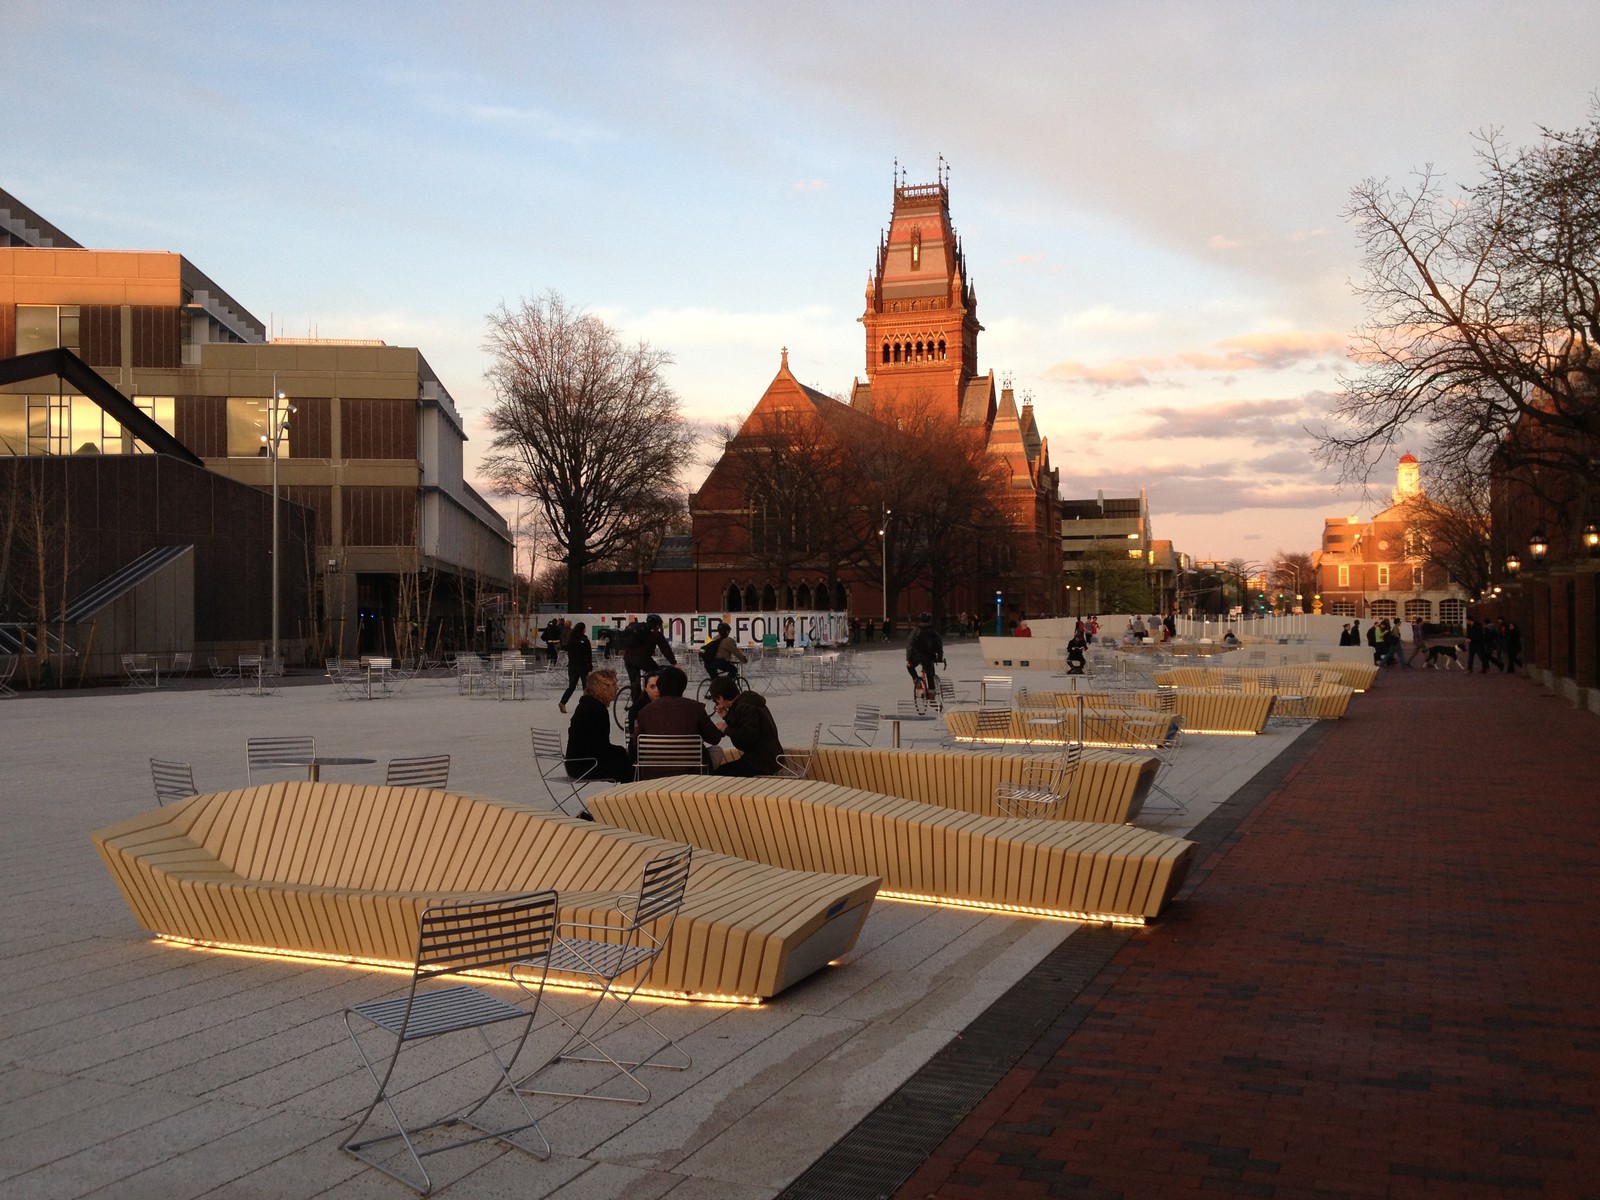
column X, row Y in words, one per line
column 346, row 870
column 1358, row 677
column 1109, row 788
column 1074, row 869
column 1204, row 710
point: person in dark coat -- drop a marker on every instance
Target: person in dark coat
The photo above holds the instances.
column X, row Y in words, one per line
column 590, row 752
column 580, row 660
column 673, row 712
column 750, row 727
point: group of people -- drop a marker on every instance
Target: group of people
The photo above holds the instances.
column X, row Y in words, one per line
column 661, row 707
column 1497, row 643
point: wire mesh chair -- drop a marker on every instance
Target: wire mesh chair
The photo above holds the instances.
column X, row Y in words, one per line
column 430, row 771
column 514, row 931
column 173, row 780
column 798, row 764
column 226, row 677
column 661, row 754
column 992, row 725
column 620, row 950
column 182, row 661
column 269, row 753
column 552, row 764
column 141, row 672
column 863, row 729
column 1044, row 785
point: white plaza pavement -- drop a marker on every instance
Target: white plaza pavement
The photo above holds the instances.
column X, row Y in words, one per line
column 134, row 1069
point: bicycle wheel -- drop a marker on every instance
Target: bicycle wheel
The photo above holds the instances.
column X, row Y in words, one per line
column 919, row 697
column 620, row 706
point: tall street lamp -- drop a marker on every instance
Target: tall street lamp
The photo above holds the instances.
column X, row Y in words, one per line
column 883, row 538
column 277, row 429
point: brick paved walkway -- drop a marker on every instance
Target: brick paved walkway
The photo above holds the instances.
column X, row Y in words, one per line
column 1385, row 985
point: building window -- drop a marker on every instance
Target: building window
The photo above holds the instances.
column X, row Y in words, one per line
column 1416, row 577
column 1383, row 610
column 46, row 327
column 1383, row 575
column 1453, row 613
column 1419, row 610
column 886, row 352
column 1344, row 575
column 1342, row 608
column 247, row 425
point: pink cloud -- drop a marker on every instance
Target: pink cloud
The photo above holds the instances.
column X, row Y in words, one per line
column 1122, row 373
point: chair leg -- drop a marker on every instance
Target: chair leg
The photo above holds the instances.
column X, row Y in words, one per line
column 404, row 1133
column 592, row 1037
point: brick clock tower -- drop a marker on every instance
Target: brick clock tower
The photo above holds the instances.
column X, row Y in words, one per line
column 921, row 315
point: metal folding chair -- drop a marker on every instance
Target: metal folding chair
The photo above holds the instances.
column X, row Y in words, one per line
column 181, row 662
column 173, row 780
column 996, row 690
column 863, row 729
column 659, row 754
column 1045, row 782
column 227, row 678
column 514, row 931
column 618, row 956
column 431, row 771
column 992, row 725
column 798, row 765
column 8, row 668
column 268, row 753
column 140, row 671
column 550, row 761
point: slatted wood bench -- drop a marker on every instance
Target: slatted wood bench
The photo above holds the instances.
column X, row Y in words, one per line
column 1329, row 697
column 346, row 870
column 1059, row 868
column 1358, row 677
column 1109, row 788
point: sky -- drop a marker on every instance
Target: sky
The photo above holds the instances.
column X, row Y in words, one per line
column 1149, row 195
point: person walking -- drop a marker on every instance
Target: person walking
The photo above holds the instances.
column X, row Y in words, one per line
column 580, row 660
column 1419, row 641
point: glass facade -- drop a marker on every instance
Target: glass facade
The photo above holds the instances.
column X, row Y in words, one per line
column 68, row 424
column 248, row 419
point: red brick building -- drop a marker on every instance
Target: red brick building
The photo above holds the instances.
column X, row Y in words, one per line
column 760, row 542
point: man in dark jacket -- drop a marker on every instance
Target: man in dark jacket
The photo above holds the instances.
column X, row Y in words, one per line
column 750, row 727
column 674, row 712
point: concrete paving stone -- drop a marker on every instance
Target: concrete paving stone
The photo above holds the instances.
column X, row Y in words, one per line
column 67, row 1101
column 264, row 1039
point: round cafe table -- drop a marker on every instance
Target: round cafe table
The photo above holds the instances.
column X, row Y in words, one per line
column 315, row 762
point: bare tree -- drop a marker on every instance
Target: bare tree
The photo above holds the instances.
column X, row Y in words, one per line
column 1484, row 315
column 583, row 425
column 1450, row 526
column 1291, row 574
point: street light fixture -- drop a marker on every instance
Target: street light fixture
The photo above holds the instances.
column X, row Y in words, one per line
column 1591, row 539
column 1538, row 546
column 883, row 546
column 278, row 414
column 1513, row 565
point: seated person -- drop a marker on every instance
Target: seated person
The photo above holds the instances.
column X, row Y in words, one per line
column 673, row 712
column 590, row 754
column 722, row 653
column 750, row 727
column 1076, row 653
column 1230, row 639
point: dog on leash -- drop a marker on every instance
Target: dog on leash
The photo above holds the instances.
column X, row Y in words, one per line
column 1445, row 653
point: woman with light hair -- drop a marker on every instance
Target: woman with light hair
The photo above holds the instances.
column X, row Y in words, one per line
column 590, row 751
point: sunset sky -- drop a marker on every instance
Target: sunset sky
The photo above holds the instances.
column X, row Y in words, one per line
column 1149, row 194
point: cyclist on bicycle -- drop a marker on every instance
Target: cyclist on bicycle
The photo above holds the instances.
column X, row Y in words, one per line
column 639, row 643
column 924, row 648
column 721, row 654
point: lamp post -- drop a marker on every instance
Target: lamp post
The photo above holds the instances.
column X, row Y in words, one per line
column 694, row 548
column 999, row 600
column 1591, row 539
column 883, row 539
column 272, row 439
column 1538, row 546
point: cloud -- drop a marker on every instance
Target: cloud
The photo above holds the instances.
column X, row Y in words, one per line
column 1264, row 422
column 1272, row 351
column 810, row 185
column 1025, row 259
column 1117, row 374
column 536, row 122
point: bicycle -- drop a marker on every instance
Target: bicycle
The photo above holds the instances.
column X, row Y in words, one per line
column 924, row 692
column 704, row 692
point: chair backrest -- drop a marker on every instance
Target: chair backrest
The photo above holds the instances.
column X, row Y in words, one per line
column 867, row 719
column 268, row 752
column 173, row 780
column 666, row 877
column 430, row 771
column 181, row 662
column 547, row 744
column 997, row 689
column 991, row 721
column 1167, row 701
column 486, row 933
column 669, row 754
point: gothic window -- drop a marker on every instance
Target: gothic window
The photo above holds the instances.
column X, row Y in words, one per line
column 769, row 599
column 735, row 598
column 897, row 352
column 916, row 249
column 941, row 350
column 752, row 601
column 886, row 352
column 919, row 351
column 841, row 598
column 802, row 596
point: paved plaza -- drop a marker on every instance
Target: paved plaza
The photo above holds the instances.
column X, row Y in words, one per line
column 137, row 1069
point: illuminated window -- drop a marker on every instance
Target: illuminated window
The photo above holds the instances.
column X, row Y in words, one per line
column 1383, row 575
column 46, row 327
column 247, row 425
column 1416, row 577
column 1344, row 575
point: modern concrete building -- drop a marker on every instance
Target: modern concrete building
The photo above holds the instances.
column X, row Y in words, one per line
column 403, row 552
